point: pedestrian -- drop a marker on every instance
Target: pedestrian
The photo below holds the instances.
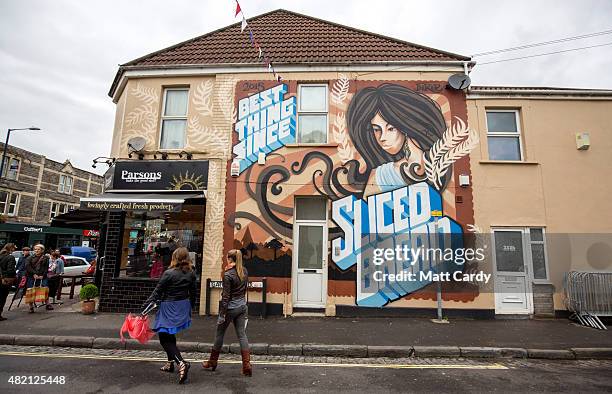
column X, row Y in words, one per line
column 55, row 272
column 37, row 266
column 175, row 294
column 7, row 274
column 21, row 263
column 233, row 309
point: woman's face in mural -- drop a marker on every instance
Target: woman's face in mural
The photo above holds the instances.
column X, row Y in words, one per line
column 387, row 135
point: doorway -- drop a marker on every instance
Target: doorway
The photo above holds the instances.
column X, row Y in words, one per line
column 309, row 271
column 513, row 292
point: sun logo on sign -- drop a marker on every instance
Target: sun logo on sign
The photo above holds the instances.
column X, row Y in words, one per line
column 187, row 182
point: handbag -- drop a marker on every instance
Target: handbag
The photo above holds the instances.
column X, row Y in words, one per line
column 30, row 293
column 41, row 294
column 9, row 281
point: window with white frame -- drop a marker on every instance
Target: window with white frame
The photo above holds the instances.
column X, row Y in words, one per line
column 537, row 249
column 174, row 118
column 312, row 114
column 504, row 135
column 58, row 208
column 65, row 184
column 10, row 170
column 9, row 203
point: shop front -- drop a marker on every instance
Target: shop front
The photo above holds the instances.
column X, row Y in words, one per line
column 31, row 234
column 151, row 208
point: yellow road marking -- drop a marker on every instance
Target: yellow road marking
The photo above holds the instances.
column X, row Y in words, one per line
column 282, row 363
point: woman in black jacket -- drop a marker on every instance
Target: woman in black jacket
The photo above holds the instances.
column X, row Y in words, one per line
column 37, row 266
column 175, row 293
column 233, row 309
column 7, row 274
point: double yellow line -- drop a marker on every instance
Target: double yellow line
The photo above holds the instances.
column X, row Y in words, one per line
column 280, row 363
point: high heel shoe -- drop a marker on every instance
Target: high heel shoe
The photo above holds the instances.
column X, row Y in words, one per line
column 168, row 367
column 212, row 360
column 183, row 369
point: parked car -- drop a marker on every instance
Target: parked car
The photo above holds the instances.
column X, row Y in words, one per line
column 85, row 252
column 75, row 265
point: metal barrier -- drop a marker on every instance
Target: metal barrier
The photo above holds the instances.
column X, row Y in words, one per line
column 588, row 295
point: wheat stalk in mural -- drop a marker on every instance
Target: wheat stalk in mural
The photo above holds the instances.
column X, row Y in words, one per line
column 345, row 150
column 142, row 120
column 456, row 142
column 340, row 89
column 202, row 98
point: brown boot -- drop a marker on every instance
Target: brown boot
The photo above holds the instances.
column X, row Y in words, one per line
column 212, row 361
column 246, row 363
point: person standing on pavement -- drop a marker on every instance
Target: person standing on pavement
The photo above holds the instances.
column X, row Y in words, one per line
column 7, row 274
column 175, row 294
column 233, row 309
column 21, row 263
column 37, row 266
column 55, row 272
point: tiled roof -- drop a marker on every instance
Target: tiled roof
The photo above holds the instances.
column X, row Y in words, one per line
column 289, row 38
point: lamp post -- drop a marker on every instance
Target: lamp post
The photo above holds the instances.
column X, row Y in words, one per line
column 8, row 135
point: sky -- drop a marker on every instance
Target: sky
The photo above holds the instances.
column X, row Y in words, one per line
column 58, row 58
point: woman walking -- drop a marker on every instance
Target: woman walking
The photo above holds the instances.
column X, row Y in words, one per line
column 175, row 293
column 7, row 274
column 233, row 309
column 37, row 267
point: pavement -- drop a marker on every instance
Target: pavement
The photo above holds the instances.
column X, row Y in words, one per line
column 65, row 370
column 329, row 336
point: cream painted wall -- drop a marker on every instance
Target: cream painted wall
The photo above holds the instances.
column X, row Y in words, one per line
column 558, row 187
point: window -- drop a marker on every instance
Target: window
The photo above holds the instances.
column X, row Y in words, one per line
column 503, row 135
column 149, row 238
column 57, row 209
column 312, row 114
column 11, row 168
column 538, row 253
column 174, row 119
column 65, row 184
column 310, row 208
column 9, row 203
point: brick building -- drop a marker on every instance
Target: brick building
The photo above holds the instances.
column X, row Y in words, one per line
column 35, row 189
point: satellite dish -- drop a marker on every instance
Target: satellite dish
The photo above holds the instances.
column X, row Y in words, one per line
column 459, row 81
column 136, row 144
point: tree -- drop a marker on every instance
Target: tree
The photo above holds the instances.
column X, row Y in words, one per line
column 274, row 244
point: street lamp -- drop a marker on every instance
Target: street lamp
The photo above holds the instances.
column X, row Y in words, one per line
column 8, row 135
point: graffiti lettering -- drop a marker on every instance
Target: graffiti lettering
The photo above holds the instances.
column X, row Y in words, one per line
column 266, row 122
column 405, row 218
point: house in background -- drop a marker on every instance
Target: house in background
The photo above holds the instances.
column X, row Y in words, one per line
column 33, row 191
column 333, row 146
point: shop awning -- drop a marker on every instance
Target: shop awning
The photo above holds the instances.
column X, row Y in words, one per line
column 78, row 218
column 151, row 202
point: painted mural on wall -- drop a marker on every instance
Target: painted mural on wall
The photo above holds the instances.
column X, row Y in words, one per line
column 389, row 168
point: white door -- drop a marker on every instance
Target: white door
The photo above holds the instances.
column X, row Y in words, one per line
column 512, row 284
column 310, row 253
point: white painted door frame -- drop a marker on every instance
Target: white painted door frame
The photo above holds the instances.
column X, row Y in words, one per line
column 324, row 253
column 527, row 274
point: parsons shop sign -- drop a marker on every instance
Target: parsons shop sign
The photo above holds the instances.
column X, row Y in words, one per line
column 185, row 175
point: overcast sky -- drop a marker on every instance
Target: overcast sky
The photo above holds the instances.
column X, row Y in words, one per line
column 58, row 58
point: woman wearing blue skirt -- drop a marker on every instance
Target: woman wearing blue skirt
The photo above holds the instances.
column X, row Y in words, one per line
column 175, row 293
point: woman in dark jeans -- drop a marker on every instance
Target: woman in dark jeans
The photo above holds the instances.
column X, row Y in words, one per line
column 7, row 274
column 233, row 309
column 175, row 293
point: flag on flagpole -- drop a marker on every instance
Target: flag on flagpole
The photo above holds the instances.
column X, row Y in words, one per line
column 251, row 36
column 244, row 24
column 279, row 79
column 237, row 9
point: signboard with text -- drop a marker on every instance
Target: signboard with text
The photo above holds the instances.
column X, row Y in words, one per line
column 171, row 175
